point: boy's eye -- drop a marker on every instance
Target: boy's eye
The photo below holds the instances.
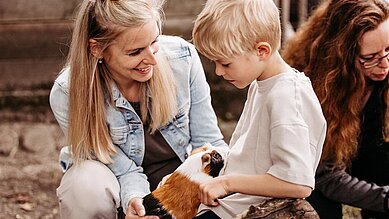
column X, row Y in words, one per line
column 226, row 65
column 155, row 41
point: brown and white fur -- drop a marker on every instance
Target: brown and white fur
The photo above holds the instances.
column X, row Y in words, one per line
column 178, row 197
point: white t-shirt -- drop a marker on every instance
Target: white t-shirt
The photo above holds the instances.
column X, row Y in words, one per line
column 281, row 132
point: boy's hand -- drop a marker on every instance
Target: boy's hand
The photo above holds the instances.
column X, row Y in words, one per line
column 137, row 210
column 212, row 190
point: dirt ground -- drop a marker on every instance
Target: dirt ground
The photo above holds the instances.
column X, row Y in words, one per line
column 29, row 173
column 29, row 170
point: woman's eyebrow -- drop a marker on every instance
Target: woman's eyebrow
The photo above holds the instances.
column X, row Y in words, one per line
column 370, row 54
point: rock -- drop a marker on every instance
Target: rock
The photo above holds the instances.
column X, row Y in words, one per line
column 26, row 206
column 281, row 208
column 38, row 139
column 9, row 141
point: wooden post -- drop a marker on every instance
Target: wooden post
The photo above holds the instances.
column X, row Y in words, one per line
column 302, row 11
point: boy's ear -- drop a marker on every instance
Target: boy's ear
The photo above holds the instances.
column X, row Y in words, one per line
column 95, row 48
column 263, row 50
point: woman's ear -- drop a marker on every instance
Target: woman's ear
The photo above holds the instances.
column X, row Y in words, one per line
column 263, row 50
column 95, row 48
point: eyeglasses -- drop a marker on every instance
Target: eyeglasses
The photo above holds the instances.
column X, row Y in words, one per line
column 370, row 63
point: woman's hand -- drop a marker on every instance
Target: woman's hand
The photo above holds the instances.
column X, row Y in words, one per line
column 214, row 189
column 137, row 210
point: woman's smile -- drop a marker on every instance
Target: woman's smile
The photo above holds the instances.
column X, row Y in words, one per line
column 145, row 70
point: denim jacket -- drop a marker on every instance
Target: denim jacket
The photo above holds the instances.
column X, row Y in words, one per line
column 194, row 125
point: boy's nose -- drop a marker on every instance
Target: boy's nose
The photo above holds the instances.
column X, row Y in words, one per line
column 219, row 71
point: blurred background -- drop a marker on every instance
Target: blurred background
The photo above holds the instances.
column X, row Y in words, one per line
column 34, row 41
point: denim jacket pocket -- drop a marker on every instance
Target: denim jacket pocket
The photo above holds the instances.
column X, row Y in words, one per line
column 135, row 140
column 181, row 122
column 119, row 135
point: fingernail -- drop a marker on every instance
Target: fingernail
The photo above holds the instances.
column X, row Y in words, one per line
column 142, row 213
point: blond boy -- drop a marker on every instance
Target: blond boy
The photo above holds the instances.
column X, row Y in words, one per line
column 277, row 143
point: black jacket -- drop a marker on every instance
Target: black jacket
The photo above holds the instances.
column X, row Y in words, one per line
column 366, row 183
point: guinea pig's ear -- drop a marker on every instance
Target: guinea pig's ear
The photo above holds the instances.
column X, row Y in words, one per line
column 206, row 159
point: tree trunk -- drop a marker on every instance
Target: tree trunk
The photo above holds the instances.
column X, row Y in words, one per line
column 281, row 208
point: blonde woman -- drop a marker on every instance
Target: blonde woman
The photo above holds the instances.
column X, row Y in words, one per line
column 132, row 103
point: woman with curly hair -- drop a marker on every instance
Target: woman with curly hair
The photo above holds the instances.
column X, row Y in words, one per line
column 343, row 48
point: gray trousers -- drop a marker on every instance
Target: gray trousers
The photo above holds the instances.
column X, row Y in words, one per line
column 88, row 190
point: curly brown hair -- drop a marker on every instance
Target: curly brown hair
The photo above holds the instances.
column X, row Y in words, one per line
column 327, row 48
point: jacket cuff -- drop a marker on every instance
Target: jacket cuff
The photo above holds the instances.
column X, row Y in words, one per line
column 126, row 201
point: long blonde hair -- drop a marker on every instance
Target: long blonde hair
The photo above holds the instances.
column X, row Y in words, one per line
column 326, row 48
column 90, row 83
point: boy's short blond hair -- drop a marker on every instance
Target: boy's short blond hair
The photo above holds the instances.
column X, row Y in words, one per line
column 229, row 28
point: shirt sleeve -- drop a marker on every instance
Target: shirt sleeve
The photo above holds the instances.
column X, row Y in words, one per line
column 59, row 103
column 133, row 182
column 336, row 184
column 297, row 132
column 290, row 152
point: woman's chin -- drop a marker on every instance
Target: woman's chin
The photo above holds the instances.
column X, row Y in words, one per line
column 143, row 77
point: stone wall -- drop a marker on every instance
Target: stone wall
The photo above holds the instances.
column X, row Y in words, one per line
column 34, row 36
